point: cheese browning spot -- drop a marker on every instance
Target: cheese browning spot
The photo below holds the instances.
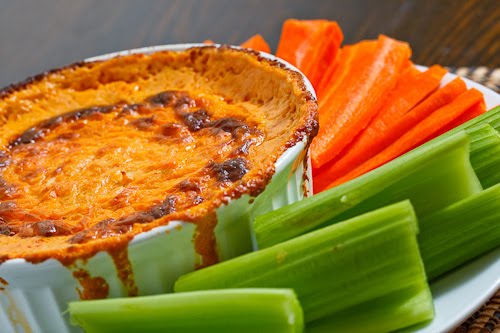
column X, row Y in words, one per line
column 231, row 170
column 45, row 228
column 103, row 229
column 39, row 131
column 197, row 120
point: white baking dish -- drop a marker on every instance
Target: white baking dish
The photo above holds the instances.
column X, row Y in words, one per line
column 36, row 296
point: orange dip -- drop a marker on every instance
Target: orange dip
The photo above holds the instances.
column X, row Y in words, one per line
column 95, row 153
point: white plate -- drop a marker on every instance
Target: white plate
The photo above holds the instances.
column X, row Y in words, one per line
column 458, row 294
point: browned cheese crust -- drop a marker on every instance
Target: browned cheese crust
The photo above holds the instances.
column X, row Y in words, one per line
column 95, row 153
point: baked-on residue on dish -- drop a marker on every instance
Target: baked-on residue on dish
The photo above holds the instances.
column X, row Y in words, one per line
column 95, row 153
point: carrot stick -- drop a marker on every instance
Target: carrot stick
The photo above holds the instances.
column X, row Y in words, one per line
column 322, row 52
column 426, row 130
column 472, row 113
column 310, row 45
column 410, row 93
column 331, row 74
column 407, row 65
column 293, row 40
column 352, row 105
column 351, row 56
column 412, row 87
column 257, row 43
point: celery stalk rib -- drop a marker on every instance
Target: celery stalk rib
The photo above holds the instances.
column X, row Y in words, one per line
column 371, row 316
column 460, row 232
column 335, row 268
column 485, row 154
column 432, row 178
column 238, row 310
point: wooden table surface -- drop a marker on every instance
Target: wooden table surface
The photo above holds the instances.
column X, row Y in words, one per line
column 39, row 35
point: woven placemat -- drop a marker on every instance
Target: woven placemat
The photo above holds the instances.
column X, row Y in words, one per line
column 487, row 318
column 486, row 76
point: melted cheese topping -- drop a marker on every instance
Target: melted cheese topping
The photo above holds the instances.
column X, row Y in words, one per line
column 120, row 146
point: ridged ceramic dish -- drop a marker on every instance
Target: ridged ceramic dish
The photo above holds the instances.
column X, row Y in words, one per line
column 34, row 296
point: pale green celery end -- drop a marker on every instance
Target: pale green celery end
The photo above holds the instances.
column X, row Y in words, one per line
column 478, row 133
column 240, row 310
column 460, row 232
column 412, row 217
column 366, row 257
column 402, row 308
column 485, row 154
column 337, row 203
column 496, row 124
column 490, row 176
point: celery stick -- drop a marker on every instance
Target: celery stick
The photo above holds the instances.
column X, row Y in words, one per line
column 237, row 310
column 460, row 232
column 372, row 317
column 493, row 118
column 485, row 154
column 368, row 257
column 432, row 178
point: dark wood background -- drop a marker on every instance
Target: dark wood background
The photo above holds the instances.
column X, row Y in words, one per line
column 39, row 35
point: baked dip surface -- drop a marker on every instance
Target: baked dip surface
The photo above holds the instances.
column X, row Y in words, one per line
column 95, row 153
